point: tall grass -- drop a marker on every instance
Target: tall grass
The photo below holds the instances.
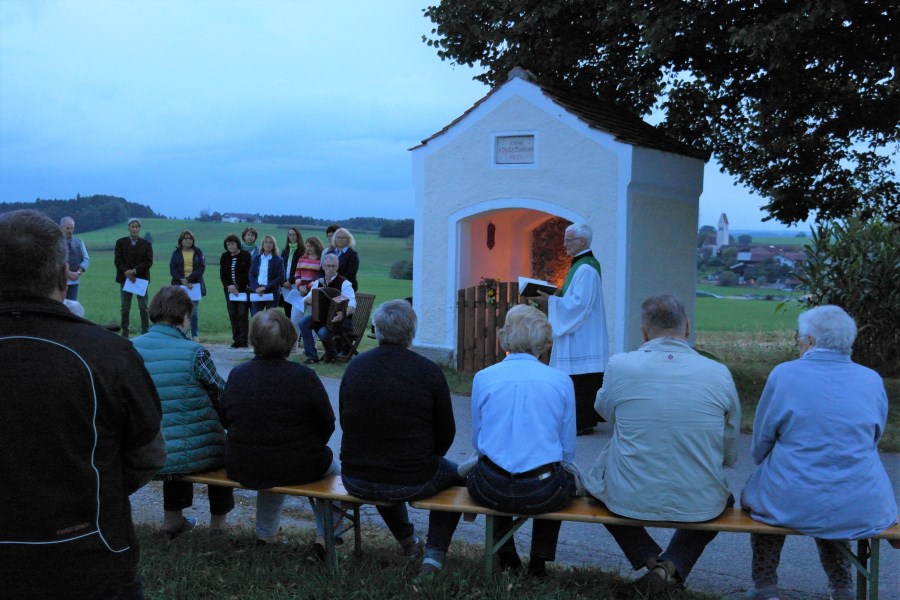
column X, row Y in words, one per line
column 199, row 566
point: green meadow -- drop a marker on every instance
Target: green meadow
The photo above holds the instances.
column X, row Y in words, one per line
column 100, row 293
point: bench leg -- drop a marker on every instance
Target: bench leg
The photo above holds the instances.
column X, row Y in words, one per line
column 357, row 534
column 490, row 547
column 861, row 562
column 874, row 556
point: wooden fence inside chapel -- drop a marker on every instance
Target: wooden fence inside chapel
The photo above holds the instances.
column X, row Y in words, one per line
column 479, row 316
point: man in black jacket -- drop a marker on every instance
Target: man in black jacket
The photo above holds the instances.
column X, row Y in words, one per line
column 80, row 428
column 133, row 258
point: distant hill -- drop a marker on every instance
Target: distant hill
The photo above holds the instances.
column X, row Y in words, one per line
column 89, row 212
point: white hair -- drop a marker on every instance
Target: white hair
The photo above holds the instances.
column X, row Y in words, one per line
column 581, row 230
column 832, row 327
column 526, row 331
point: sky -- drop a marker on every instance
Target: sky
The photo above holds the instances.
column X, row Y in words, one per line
column 278, row 107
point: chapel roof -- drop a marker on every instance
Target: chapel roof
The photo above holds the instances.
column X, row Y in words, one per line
column 603, row 115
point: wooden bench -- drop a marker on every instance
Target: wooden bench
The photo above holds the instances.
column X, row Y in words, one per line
column 589, row 510
column 329, row 490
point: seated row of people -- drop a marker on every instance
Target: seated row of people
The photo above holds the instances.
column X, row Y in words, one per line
column 675, row 414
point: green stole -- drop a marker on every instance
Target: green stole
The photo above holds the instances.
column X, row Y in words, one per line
column 586, row 259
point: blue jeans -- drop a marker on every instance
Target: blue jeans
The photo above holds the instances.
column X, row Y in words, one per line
column 527, row 496
column 441, row 525
column 268, row 508
column 684, row 548
column 126, row 312
column 305, row 328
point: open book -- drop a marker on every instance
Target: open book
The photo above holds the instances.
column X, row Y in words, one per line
column 531, row 287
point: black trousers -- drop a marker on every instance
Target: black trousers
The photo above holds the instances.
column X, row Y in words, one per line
column 586, row 387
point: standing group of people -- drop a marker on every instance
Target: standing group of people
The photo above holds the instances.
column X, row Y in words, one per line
column 126, row 412
column 245, row 267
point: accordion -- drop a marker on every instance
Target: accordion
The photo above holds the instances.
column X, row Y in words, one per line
column 327, row 302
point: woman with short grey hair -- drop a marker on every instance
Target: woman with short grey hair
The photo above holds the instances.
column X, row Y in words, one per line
column 815, row 443
column 395, row 323
column 523, row 429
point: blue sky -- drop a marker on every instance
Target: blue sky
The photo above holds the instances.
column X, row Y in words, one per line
column 278, row 107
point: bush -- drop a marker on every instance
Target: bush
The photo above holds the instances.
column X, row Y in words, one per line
column 727, row 278
column 854, row 264
column 402, row 269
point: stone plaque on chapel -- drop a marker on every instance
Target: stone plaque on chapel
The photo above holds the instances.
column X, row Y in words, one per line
column 514, row 150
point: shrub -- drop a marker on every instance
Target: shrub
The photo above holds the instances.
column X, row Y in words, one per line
column 402, row 269
column 727, row 278
column 855, row 264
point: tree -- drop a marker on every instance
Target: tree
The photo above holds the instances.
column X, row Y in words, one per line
column 745, row 239
column 854, row 264
column 704, row 233
column 729, row 255
column 797, row 100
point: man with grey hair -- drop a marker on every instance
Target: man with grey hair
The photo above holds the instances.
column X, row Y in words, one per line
column 580, row 342
column 676, row 416
column 77, row 257
column 75, row 444
column 306, row 326
column 398, row 424
column 133, row 258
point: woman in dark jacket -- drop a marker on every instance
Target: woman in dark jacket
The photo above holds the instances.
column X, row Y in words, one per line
column 234, row 272
column 279, row 420
column 293, row 250
column 348, row 264
column 266, row 275
column 186, row 267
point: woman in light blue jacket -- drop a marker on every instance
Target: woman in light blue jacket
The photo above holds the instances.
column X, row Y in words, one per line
column 815, row 443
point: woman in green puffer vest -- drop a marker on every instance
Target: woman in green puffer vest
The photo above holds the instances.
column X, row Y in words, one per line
column 189, row 389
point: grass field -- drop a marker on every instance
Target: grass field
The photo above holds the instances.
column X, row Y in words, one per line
column 100, row 293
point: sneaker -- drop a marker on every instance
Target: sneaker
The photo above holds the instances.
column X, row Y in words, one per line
column 195, row 338
column 537, row 567
column 187, row 525
column 315, row 554
column 509, row 561
column 429, row 568
column 658, row 578
column 413, row 549
column 767, row 593
column 311, row 361
column 329, row 359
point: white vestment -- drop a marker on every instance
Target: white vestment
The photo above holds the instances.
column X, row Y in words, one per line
column 580, row 342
